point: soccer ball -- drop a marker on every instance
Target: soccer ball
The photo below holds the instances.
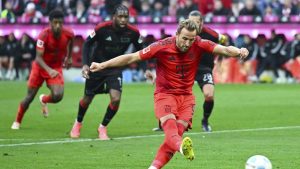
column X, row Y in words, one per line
column 258, row 162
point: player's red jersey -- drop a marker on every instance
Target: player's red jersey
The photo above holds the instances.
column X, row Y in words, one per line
column 176, row 70
column 55, row 49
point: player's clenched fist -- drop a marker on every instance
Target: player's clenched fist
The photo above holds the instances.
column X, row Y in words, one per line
column 244, row 53
column 96, row 67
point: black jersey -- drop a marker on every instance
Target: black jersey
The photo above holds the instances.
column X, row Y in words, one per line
column 207, row 60
column 106, row 42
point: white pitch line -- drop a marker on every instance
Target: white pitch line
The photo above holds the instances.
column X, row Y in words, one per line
column 68, row 140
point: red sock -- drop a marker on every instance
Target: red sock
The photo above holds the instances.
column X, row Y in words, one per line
column 82, row 104
column 172, row 139
column 20, row 114
column 181, row 129
column 112, row 107
column 47, row 99
column 163, row 156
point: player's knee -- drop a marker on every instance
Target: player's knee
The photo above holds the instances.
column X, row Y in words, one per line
column 57, row 97
column 115, row 101
column 209, row 96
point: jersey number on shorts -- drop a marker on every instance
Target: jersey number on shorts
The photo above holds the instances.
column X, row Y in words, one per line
column 208, row 78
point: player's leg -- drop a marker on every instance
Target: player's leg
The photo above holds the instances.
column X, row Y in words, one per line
column 55, row 96
column 23, row 106
column 165, row 110
column 82, row 108
column 56, row 86
column 205, row 81
column 208, row 105
column 34, row 82
column 91, row 88
column 111, row 111
column 114, row 88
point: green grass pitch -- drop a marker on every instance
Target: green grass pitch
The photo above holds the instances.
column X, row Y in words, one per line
column 247, row 120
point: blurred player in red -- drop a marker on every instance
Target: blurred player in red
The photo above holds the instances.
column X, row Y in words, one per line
column 204, row 75
column 53, row 48
column 177, row 62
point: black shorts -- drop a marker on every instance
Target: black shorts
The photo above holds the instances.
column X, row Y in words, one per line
column 204, row 76
column 103, row 84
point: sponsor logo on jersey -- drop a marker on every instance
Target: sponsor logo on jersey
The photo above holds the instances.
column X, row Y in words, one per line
column 92, row 34
column 40, row 43
column 146, row 50
column 108, row 38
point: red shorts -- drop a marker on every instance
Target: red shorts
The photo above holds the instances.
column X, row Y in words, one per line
column 39, row 75
column 182, row 106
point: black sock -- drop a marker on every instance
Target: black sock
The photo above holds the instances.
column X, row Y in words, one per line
column 81, row 112
column 110, row 113
column 207, row 108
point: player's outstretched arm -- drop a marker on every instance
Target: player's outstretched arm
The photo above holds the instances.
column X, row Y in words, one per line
column 119, row 61
column 231, row 51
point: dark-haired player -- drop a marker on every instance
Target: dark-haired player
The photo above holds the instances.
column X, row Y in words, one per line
column 53, row 51
column 112, row 38
column 204, row 76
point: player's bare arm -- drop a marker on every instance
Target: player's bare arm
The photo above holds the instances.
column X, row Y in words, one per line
column 39, row 59
column 116, row 62
column 68, row 58
column 231, row 51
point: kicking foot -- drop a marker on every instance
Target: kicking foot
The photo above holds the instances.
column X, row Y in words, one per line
column 75, row 132
column 15, row 125
column 186, row 148
column 103, row 133
column 44, row 106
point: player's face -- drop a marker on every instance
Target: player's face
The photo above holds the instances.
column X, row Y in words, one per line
column 121, row 19
column 56, row 25
column 185, row 39
column 198, row 20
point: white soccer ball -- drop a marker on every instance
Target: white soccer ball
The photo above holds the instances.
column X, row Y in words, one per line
column 258, row 162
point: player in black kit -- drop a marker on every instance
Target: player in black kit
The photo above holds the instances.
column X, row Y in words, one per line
column 204, row 76
column 108, row 40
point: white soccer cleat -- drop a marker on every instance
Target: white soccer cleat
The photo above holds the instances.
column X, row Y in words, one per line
column 102, row 131
column 75, row 132
column 15, row 125
column 44, row 106
column 152, row 167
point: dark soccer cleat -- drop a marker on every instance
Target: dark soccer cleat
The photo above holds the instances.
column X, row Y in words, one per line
column 206, row 127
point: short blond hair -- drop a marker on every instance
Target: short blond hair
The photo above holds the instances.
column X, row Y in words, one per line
column 187, row 24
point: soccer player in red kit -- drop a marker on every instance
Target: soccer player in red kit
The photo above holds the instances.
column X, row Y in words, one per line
column 54, row 45
column 177, row 62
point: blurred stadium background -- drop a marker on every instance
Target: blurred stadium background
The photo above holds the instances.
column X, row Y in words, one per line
column 246, row 23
